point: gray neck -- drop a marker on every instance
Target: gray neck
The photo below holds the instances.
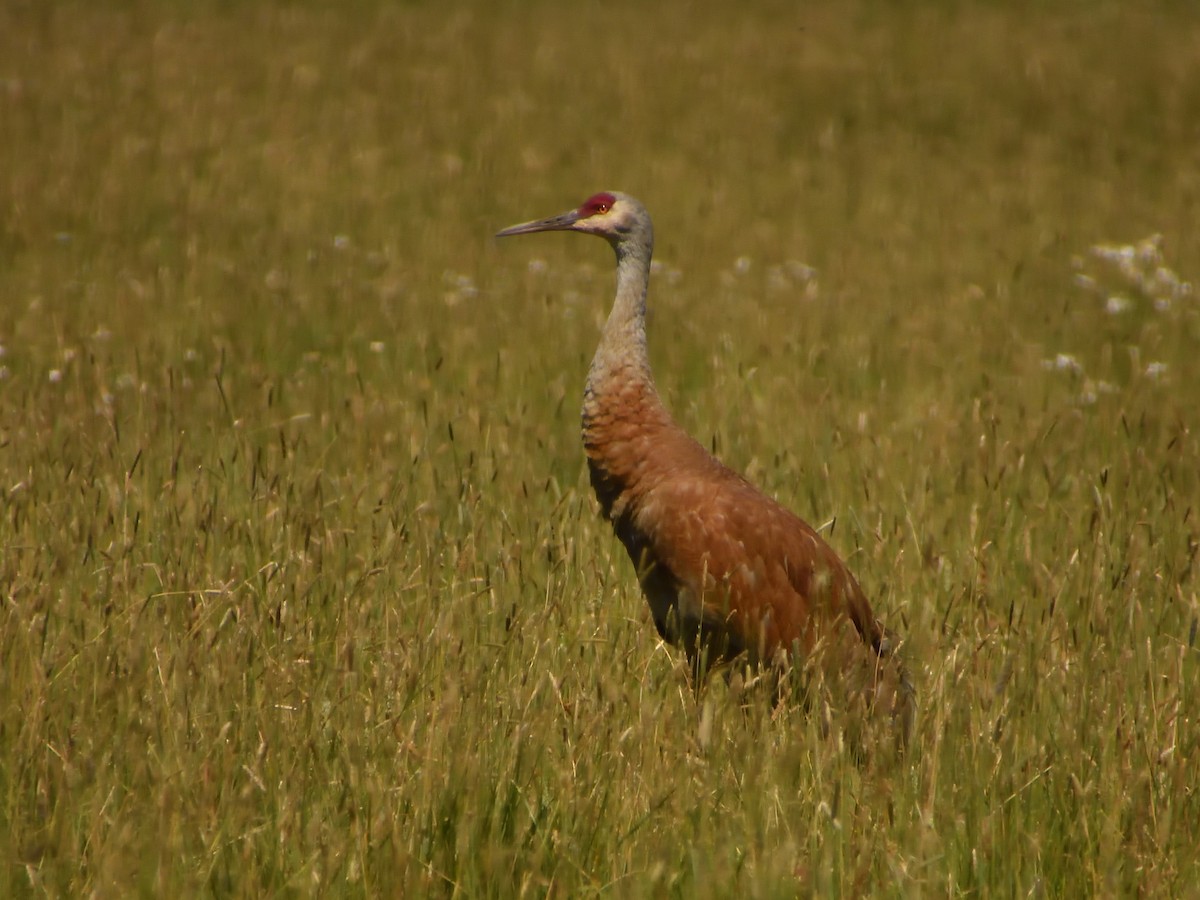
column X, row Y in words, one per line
column 622, row 351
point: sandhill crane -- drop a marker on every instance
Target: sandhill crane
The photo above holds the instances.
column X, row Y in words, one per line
column 728, row 572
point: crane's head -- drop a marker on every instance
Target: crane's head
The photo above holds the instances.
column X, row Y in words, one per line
column 616, row 217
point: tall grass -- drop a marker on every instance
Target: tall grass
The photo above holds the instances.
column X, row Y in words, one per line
column 303, row 588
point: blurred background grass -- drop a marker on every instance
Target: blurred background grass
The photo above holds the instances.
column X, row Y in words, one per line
column 303, row 587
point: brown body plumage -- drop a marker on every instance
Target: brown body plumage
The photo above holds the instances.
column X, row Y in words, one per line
column 728, row 572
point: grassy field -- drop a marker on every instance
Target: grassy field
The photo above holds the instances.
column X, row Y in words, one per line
column 302, row 587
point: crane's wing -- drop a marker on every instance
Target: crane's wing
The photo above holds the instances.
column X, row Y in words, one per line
column 737, row 557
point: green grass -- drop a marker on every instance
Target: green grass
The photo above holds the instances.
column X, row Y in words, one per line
column 302, row 588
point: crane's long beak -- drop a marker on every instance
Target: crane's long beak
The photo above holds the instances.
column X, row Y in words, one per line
column 562, row 222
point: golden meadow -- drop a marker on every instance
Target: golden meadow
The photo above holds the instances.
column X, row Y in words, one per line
column 303, row 591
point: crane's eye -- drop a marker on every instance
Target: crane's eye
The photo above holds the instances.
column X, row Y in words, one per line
column 598, row 204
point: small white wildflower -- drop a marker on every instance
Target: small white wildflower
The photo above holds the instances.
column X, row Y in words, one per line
column 1111, row 252
column 376, row 346
column 69, row 353
column 1065, row 362
column 1166, row 280
column 1116, row 304
column 107, row 398
column 801, row 271
column 665, row 270
column 1130, row 270
column 742, row 265
column 190, row 355
column 55, row 376
column 1149, row 250
column 1087, row 282
column 1162, row 304
column 1156, row 370
column 464, row 287
column 341, row 241
column 1092, row 390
